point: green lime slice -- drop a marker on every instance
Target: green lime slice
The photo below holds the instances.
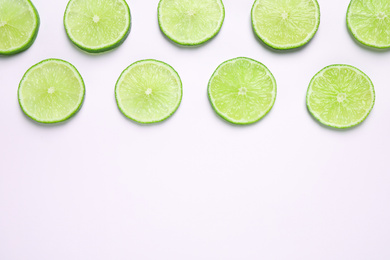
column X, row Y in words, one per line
column 369, row 22
column 340, row 96
column 19, row 24
column 285, row 24
column 97, row 26
column 242, row 90
column 51, row 91
column 190, row 22
column 148, row 91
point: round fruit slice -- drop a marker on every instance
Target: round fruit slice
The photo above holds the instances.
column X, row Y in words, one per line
column 148, row 91
column 242, row 90
column 19, row 24
column 51, row 91
column 340, row 96
column 190, row 22
column 285, row 24
column 369, row 22
column 97, row 26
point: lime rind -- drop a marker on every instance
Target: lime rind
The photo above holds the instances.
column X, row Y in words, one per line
column 357, row 37
column 31, row 39
column 191, row 43
column 140, row 121
column 287, row 46
column 353, row 124
column 264, row 113
column 102, row 48
column 72, row 112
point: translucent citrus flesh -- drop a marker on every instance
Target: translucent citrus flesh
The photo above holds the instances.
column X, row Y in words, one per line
column 148, row 91
column 97, row 24
column 242, row 90
column 369, row 21
column 285, row 23
column 18, row 23
column 340, row 96
column 191, row 21
column 51, row 91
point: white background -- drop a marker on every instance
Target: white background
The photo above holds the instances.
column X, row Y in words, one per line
column 194, row 187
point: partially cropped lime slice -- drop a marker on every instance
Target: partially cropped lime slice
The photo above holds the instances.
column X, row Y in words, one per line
column 242, row 90
column 285, row 24
column 190, row 22
column 340, row 96
column 97, row 25
column 19, row 24
column 51, row 91
column 369, row 22
column 148, row 91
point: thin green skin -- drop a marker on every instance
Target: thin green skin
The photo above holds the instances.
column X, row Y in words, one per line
column 322, row 121
column 71, row 114
column 289, row 47
column 32, row 38
column 356, row 36
column 194, row 43
column 228, row 119
column 107, row 48
column 148, row 122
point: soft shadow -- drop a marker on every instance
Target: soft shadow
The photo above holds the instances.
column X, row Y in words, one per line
column 93, row 54
column 277, row 50
column 43, row 125
column 365, row 47
column 147, row 125
column 49, row 125
column 341, row 130
column 188, row 47
column 98, row 54
column 221, row 119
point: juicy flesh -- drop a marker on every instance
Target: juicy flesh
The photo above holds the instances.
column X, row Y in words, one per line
column 190, row 21
column 242, row 90
column 341, row 96
column 97, row 23
column 149, row 91
column 17, row 24
column 51, row 91
column 285, row 23
column 370, row 21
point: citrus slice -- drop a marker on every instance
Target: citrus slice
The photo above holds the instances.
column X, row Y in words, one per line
column 190, row 22
column 19, row 24
column 97, row 26
column 285, row 24
column 51, row 91
column 242, row 90
column 369, row 22
column 340, row 96
column 148, row 91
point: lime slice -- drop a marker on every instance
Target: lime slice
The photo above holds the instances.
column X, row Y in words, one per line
column 369, row 22
column 190, row 22
column 97, row 26
column 148, row 91
column 19, row 24
column 242, row 90
column 340, row 96
column 285, row 24
column 51, row 91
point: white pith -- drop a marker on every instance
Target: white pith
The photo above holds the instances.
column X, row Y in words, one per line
column 242, row 90
column 191, row 13
column 32, row 12
column 148, row 91
column 96, row 19
column 51, row 89
column 341, row 96
column 285, row 16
